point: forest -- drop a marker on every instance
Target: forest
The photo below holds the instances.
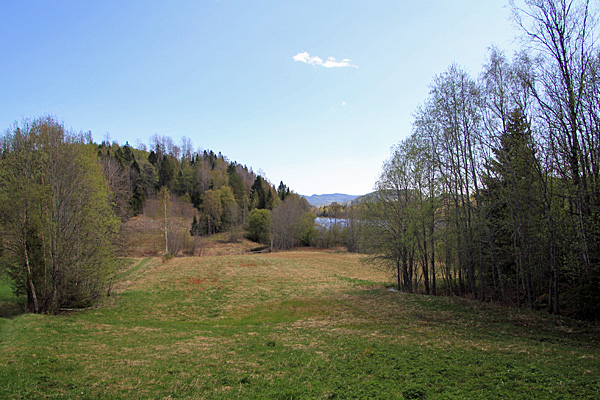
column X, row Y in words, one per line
column 63, row 198
column 495, row 195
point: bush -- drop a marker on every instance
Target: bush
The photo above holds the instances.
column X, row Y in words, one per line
column 258, row 225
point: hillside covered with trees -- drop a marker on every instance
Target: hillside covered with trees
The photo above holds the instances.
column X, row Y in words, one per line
column 63, row 197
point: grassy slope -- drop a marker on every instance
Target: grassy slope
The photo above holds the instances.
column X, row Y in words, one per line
column 291, row 325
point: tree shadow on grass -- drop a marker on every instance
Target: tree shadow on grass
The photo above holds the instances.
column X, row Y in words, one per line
column 10, row 304
column 11, row 309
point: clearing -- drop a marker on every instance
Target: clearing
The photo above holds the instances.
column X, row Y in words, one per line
column 290, row 325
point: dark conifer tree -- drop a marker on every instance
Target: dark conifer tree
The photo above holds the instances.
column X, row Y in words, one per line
column 194, row 230
column 153, row 158
column 166, row 172
column 257, row 194
column 283, row 191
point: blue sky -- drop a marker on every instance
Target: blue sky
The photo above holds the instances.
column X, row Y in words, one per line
column 313, row 93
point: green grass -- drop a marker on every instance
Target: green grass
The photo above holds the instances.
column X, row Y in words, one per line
column 125, row 269
column 298, row 325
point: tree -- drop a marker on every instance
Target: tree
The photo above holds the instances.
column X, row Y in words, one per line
column 353, row 230
column 56, row 222
column 213, row 210
column 117, row 182
column 505, row 92
column 500, row 181
column 385, row 233
column 286, row 220
column 165, row 213
column 563, row 33
column 451, row 121
column 230, row 214
column 153, row 158
column 258, row 225
column 137, row 189
column 283, row 191
column 306, row 229
column 258, row 197
column 166, row 172
column 516, row 208
column 195, row 229
column 239, row 191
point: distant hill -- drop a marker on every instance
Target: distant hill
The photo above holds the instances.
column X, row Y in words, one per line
column 319, row 200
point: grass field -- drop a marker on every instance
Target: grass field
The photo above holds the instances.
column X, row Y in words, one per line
column 293, row 325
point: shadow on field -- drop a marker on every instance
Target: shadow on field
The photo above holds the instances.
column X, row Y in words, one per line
column 10, row 305
column 11, row 310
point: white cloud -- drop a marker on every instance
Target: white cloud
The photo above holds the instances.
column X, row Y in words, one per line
column 333, row 63
column 307, row 59
column 330, row 63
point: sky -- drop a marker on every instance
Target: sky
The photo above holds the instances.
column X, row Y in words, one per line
column 311, row 93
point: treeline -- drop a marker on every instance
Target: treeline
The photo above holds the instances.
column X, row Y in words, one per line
column 224, row 192
column 496, row 193
column 338, row 225
column 134, row 175
column 63, row 197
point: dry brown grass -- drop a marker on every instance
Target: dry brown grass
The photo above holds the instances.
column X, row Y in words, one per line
column 310, row 271
column 220, row 245
column 143, row 236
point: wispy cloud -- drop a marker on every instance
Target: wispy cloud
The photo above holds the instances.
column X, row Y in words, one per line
column 331, row 62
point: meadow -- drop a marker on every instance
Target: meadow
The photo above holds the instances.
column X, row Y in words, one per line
column 289, row 325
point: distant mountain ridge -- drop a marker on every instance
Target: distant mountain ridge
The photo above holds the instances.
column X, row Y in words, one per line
column 318, row 200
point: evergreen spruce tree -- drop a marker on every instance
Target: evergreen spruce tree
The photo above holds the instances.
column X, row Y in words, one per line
column 194, row 230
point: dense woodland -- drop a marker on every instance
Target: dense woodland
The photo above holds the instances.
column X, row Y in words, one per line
column 495, row 195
